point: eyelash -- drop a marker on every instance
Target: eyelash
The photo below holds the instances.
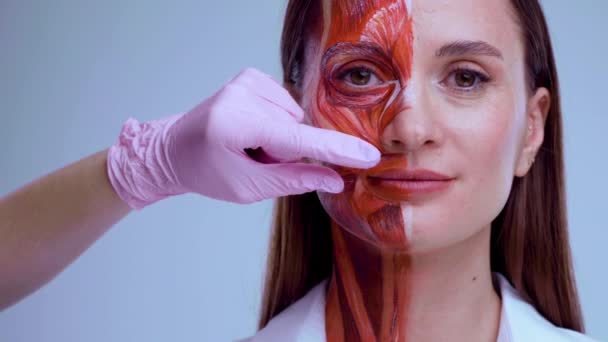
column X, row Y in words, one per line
column 481, row 79
column 344, row 74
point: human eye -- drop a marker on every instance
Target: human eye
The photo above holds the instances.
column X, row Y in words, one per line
column 360, row 76
column 361, row 83
column 466, row 80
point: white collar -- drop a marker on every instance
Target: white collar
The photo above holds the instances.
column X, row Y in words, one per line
column 304, row 321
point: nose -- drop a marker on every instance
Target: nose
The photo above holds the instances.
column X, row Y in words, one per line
column 413, row 126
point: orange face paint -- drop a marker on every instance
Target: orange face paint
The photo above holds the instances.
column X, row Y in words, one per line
column 374, row 36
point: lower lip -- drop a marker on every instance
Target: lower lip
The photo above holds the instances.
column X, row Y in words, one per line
column 399, row 188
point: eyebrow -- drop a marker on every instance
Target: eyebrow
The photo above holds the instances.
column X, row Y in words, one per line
column 468, row 47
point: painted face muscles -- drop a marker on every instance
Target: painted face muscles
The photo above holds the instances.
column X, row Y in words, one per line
column 364, row 71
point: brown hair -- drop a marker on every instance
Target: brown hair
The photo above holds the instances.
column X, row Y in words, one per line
column 529, row 242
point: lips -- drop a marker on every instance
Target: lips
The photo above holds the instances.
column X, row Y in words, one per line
column 399, row 184
column 409, row 175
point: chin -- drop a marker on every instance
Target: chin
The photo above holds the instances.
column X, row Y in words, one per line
column 420, row 225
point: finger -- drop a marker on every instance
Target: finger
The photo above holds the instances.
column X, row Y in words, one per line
column 271, row 110
column 298, row 178
column 255, row 114
column 297, row 141
column 266, row 88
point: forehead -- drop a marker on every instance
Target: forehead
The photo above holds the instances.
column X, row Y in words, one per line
column 433, row 22
column 354, row 20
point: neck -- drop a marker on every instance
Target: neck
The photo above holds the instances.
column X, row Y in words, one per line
column 378, row 295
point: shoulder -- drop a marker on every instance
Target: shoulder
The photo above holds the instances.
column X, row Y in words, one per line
column 576, row 336
column 525, row 323
column 302, row 321
column 305, row 320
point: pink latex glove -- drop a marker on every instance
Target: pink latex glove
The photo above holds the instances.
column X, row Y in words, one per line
column 204, row 150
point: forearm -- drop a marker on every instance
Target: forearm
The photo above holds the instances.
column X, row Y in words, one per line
column 48, row 223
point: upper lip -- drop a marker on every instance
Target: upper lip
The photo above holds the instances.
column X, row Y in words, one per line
column 410, row 175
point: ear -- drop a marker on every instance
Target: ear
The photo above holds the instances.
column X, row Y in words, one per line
column 536, row 116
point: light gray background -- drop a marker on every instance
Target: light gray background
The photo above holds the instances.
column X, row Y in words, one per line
column 190, row 268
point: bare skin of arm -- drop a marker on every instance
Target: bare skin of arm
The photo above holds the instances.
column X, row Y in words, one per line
column 48, row 223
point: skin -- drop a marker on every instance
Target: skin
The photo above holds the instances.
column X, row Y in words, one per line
column 41, row 230
column 413, row 267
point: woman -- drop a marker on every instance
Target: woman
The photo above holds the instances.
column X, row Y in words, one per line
column 385, row 250
column 414, row 260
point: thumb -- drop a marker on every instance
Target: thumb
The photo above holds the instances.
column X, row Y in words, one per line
column 298, row 178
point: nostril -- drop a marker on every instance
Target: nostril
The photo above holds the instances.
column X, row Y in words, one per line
column 398, row 143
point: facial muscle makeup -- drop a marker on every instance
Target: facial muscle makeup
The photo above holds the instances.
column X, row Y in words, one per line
column 364, row 69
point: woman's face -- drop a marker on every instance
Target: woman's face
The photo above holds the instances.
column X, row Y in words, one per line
column 433, row 84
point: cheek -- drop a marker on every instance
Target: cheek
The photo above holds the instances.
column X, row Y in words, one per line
column 362, row 116
column 483, row 150
column 494, row 145
column 356, row 209
column 489, row 153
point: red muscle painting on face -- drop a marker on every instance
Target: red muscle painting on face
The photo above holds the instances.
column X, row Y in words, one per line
column 365, row 67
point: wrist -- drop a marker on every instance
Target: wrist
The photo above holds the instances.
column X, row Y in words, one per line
column 138, row 167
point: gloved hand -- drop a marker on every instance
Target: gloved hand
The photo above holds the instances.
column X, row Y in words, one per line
column 206, row 149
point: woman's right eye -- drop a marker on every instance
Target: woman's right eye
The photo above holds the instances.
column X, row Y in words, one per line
column 358, row 85
column 360, row 77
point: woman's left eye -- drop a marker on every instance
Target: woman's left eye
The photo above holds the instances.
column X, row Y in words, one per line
column 463, row 79
column 360, row 77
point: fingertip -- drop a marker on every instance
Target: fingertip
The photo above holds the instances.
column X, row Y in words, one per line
column 333, row 187
column 328, row 180
column 370, row 152
column 298, row 114
column 369, row 164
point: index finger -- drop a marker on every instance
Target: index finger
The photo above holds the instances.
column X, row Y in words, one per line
column 297, row 141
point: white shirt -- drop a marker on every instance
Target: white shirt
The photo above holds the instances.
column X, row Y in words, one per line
column 304, row 320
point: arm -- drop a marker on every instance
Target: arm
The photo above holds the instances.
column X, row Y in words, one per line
column 48, row 223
